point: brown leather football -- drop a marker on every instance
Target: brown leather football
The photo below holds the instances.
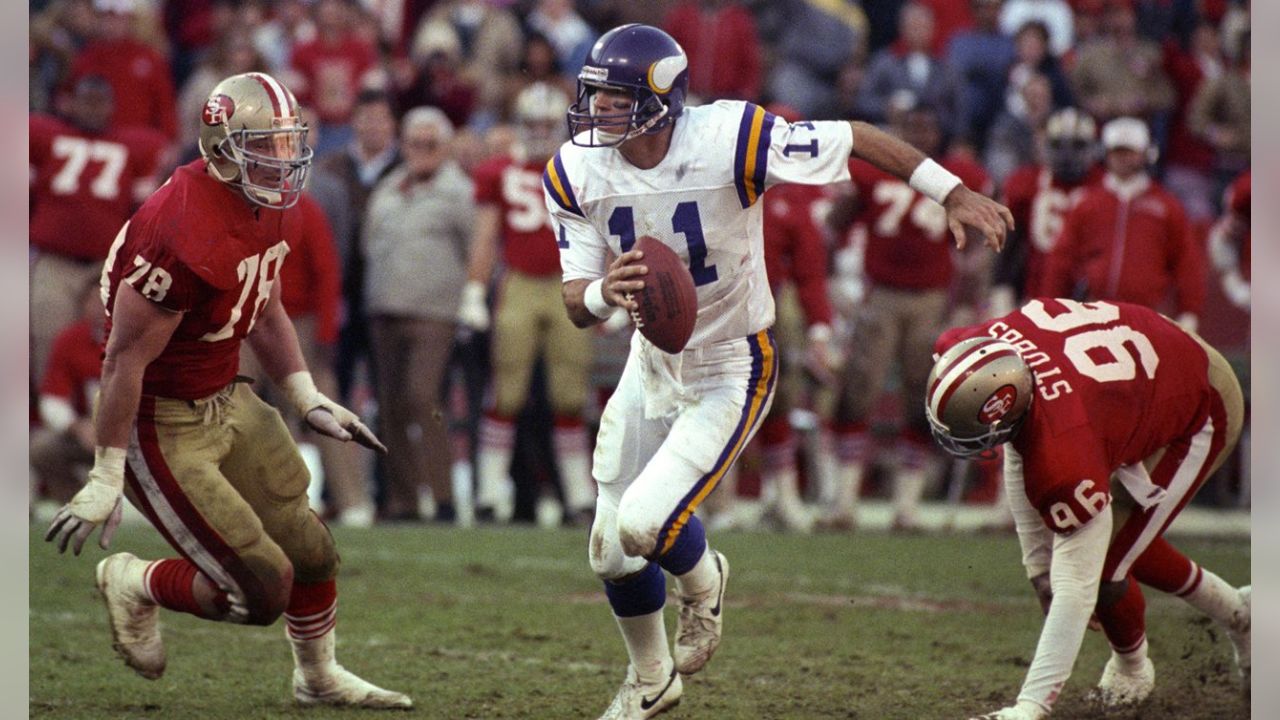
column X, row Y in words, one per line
column 668, row 302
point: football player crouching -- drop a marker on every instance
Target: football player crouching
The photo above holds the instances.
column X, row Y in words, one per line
column 1112, row 418
column 189, row 277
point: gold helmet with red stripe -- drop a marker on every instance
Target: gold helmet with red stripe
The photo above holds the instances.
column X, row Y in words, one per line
column 979, row 392
column 253, row 137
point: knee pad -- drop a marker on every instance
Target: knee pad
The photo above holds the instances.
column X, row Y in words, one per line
column 637, row 529
column 608, row 561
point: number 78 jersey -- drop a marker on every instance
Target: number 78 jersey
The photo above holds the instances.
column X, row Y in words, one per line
column 701, row 200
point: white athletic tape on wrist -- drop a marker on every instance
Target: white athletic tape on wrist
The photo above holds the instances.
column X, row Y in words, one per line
column 108, row 464
column 593, row 298
column 933, row 181
column 301, row 390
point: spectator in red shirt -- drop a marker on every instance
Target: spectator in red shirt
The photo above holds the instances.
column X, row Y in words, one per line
column 86, row 178
column 1128, row 239
column 329, row 70
column 723, row 46
column 139, row 76
column 62, row 447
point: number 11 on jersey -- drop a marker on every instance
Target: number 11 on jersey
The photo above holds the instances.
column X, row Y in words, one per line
column 686, row 221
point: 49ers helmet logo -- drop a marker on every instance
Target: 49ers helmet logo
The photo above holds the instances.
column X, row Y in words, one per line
column 218, row 110
column 998, row 405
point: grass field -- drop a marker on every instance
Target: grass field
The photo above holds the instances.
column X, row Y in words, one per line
column 511, row 624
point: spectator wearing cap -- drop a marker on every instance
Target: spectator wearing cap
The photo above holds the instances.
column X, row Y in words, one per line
column 1055, row 15
column 980, row 58
column 723, row 46
column 139, row 76
column 416, row 236
column 1122, row 73
column 329, row 70
column 1128, row 240
column 907, row 73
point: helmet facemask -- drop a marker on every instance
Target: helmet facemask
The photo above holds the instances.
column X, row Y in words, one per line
column 272, row 164
column 648, row 113
column 999, row 433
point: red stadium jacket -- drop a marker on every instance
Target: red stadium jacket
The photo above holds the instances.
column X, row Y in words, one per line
column 1133, row 250
column 723, row 48
column 331, row 75
column 1039, row 201
column 85, row 184
column 75, row 365
column 139, row 78
column 311, row 282
column 908, row 242
column 793, row 247
column 528, row 244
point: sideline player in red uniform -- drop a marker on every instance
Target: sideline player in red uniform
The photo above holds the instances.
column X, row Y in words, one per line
column 529, row 316
column 87, row 176
column 191, row 275
column 1113, row 416
column 1040, row 195
column 910, row 267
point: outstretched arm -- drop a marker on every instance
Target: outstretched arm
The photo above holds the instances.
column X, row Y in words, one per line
column 967, row 211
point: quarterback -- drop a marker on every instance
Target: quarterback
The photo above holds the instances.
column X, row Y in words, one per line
column 1113, row 416
column 191, row 275
column 641, row 163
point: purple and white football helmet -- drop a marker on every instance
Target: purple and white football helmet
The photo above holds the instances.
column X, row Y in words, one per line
column 640, row 59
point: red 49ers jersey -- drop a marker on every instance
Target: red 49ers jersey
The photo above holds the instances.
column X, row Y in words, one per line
column 1114, row 383
column 1039, row 201
column 196, row 246
column 908, row 242
column 528, row 243
column 84, row 184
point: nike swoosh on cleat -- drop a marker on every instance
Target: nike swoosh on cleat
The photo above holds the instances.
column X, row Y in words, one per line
column 715, row 611
column 646, row 703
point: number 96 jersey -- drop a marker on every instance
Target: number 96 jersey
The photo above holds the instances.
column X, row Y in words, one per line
column 702, row 200
column 1114, row 383
column 196, row 247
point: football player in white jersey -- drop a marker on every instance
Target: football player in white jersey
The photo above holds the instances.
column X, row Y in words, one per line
column 641, row 163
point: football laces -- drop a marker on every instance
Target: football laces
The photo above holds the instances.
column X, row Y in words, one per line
column 635, row 314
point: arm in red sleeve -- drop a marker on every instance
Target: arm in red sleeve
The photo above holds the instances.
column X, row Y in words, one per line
column 1186, row 260
column 325, row 273
column 809, row 270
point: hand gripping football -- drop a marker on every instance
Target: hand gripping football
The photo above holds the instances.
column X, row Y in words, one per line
column 668, row 303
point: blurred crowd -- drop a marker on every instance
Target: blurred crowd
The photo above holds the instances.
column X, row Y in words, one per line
column 1116, row 130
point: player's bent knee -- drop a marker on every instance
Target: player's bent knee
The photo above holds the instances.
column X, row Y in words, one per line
column 267, row 602
column 318, row 560
column 637, row 533
column 608, row 561
column 1110, row 592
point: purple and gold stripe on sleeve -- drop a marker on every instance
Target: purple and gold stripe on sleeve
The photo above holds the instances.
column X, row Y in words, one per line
column 764, row 371
column 556, row 181
column 751, row 159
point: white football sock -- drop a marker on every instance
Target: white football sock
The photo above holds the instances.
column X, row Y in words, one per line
column 1215, row 598
column 573, row 459
column 493, row 461
column 646, row 639
column 314, row 657
column 908, row 487
column 1133, row 659
column 701, row 579
column 848, row 486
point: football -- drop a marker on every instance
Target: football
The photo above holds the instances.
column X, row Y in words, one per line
column 668, row 302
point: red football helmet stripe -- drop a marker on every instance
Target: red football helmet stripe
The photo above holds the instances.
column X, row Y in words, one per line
column 279, row 99
column 959, row 379
column 956, row 362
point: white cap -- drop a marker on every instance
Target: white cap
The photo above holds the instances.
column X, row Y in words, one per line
column 1126, row 132
column 123, row 7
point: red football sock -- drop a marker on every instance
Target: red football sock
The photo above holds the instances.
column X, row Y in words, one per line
column 313, row 609
column 169, row 583
column 1124, row 622
column 1164, row 568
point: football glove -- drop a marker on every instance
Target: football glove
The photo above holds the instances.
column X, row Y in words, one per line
column 97, row 503
column 472, row 310
column 326, row 416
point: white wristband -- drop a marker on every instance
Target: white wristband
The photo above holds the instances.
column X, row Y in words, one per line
column 593, row 298
column 301, row 390
column 933, row 181
column 819, row 332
